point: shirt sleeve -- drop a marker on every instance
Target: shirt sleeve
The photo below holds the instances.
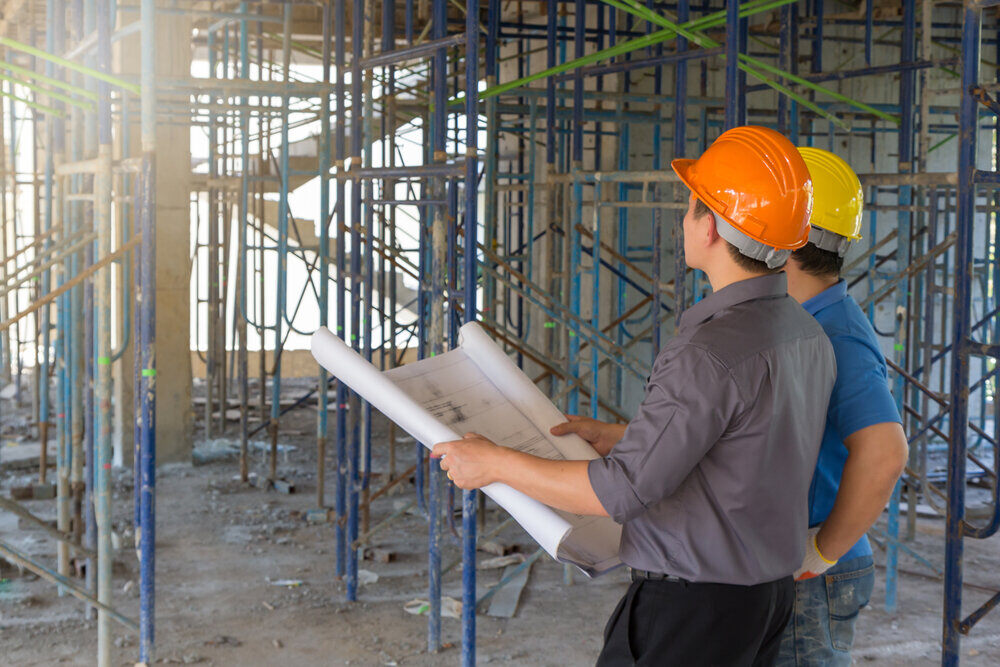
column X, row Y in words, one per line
column 861, row 396
column 691, row 399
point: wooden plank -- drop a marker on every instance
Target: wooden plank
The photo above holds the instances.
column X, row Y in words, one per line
column 505, row 600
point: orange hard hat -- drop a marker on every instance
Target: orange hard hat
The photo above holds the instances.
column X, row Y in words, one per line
column 756, row 180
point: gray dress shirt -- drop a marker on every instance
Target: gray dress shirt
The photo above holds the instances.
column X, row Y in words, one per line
column 710, row 481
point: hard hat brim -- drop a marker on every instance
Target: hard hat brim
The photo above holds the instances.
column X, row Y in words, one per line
column 682, row 167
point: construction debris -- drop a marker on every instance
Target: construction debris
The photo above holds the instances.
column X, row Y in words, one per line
column 450, row 607
column 504, row 602
column 34, row 492
column 500, row 561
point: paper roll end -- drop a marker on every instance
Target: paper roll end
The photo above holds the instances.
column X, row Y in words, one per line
column 467, row 328
column 319, row 337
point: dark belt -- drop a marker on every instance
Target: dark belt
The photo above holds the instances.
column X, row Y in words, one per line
column 636, row 575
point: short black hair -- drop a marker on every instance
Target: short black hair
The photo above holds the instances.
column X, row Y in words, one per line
column 818, row 262
column 749, row 264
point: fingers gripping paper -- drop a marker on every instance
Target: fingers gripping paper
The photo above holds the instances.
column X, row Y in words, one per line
column 476, row 387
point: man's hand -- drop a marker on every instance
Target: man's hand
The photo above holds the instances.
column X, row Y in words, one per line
column 602, row 436
column 471, row 462
column 814, row 563
column 474, row 462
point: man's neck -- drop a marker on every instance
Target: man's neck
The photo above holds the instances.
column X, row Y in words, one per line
column 726, row 274
column 803, row 286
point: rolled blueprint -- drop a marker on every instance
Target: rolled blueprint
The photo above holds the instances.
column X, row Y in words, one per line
column 521, row 391
column 477, row 387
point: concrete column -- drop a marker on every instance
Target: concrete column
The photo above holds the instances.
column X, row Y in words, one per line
column 174, row 414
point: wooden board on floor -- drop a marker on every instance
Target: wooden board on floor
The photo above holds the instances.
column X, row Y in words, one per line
column 504, row 602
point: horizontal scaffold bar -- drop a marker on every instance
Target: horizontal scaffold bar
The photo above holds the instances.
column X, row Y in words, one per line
column 21, row 560
column 423, row 50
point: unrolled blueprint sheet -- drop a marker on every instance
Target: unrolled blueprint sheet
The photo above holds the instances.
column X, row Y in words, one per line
column 476, row 387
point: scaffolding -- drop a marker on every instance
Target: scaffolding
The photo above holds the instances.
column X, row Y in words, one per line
column 498, row 163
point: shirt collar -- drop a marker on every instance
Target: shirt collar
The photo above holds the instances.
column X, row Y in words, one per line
column 762, row 287
column 831, row 295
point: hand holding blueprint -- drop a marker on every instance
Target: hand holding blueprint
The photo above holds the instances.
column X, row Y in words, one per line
column 476, row 387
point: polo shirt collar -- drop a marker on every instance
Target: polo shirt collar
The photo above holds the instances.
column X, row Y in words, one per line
column 831, row 295
column 761, row 287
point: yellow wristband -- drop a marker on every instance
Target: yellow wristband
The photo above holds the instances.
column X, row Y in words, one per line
column 820, row 553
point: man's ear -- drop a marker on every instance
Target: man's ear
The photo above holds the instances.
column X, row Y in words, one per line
column 712, row 231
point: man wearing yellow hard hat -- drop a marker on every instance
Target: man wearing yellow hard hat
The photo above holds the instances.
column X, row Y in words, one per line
column 710, row 478
column 864, row 448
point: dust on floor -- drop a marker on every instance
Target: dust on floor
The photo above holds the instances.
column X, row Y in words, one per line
column 244, row 579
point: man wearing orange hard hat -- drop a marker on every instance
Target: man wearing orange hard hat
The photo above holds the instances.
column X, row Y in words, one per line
column 710, row 478
column 864, row 448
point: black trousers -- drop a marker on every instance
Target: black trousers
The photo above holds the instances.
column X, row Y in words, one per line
column 662, row 622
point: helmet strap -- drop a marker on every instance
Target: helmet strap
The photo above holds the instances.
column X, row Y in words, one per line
column 827, row 240
column 752, row 248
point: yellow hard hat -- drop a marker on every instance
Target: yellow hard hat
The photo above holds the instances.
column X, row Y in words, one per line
column 837, row 200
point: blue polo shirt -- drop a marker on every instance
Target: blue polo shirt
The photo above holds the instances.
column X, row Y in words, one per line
column 861, row 396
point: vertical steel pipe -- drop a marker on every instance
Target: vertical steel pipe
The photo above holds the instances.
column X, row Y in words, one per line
column 469, row 297
column 341, row 221
column 44, row 315
column 147, row 339
column 102, row 306
column 357, row 144
column 955, row 525
column 680, row 150
column 438, row 261
column 907, row 84
column 324, row 256
column 244, row 254
column 734, row 101
column 282, row 249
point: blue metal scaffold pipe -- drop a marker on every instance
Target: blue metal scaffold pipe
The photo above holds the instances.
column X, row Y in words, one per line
column 471, row 264
column 340, row 217
column 354, row 443
column 907, row 89
column 146, row 312
column 961, row 330
column 324, row 259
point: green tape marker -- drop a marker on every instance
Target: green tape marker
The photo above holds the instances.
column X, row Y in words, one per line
column 572, row 333
column 103, row 361
column 148, row 372
column 340, row 328
column 550, row 325
column 899, row 347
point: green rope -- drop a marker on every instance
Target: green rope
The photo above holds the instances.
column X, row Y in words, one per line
column 748, row 64
column 15, row 69
column 941, row 143
column 89, row 106
column 34, row 105
column 653, row 38
column 69, row 64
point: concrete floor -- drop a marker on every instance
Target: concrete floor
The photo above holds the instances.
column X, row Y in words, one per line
column 222, row 544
